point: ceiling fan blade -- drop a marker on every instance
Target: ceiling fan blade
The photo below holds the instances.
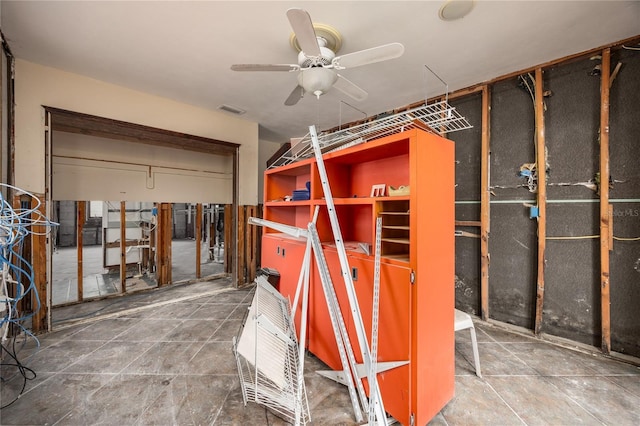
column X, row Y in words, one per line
column 369, row 56
column 296, row 94
column 265, row 67
column 305, row 33
column 350, row 89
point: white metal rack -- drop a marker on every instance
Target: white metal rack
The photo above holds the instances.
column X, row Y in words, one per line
column 266, row 353
column 438, row 118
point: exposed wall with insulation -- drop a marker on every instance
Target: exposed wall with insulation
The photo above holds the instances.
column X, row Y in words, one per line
column 38, row 86
column 572, row 258
column 468, row 147
column 625, row 170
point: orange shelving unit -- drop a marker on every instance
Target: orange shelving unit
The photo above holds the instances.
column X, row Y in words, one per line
column 417, row 259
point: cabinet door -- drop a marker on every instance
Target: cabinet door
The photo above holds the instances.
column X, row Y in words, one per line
column 394, row 325
column 285, row 256
column 322, row 342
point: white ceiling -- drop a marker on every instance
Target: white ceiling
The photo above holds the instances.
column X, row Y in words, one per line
column 183, row 50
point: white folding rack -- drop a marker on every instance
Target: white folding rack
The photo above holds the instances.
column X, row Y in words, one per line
column 266, row 352
column 438, row 118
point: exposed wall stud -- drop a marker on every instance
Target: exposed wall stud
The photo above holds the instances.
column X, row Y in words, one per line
column 123, row 247
column 541, row 168
column 163, row 244
column 80, row 215
column 198, row 238
column 484, row 204
column 605, row 218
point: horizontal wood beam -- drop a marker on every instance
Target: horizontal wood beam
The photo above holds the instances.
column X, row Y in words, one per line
column 91, row 125
column 475, row 223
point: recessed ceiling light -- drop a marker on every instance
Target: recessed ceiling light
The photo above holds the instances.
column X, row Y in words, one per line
column 232, row 109
column 455, row 9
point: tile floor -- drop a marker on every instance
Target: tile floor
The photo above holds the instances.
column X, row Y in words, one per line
column 166, row 360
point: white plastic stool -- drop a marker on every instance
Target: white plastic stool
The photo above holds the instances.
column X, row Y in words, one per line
column 463, row 321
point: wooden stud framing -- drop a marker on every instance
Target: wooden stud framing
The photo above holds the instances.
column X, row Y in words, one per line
column 228, row 238
column 240, row 244
column 480, row 86
column 605, row 217
column 235, row 261
column 152, row 242
column 80, row 216
column 541, row 168
column 163, row 244
column 34, row 251
column 198, row 238
column 484, row 204
column 123, row 247
column 246, row 243
column 470, row 223
column 39, row 264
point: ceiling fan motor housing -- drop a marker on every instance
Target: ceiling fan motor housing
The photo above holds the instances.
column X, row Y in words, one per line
column 325, row 58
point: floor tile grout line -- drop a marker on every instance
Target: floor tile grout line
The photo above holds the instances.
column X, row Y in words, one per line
column 223, row 321
column 150, row 404
column 506, row 403
column 152, row 344
column 563, row 392
column 134, row 324
column 62, row 418
column 515, row 355
column 232, row 387
column 105, row 342
column 26, row 391
column 583, row 366
column 631, row 391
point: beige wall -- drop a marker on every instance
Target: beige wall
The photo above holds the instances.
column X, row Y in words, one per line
column 136, row 172
column 38, row 86
column 265, row 151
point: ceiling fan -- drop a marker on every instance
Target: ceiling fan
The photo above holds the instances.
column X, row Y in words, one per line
column 318, row 64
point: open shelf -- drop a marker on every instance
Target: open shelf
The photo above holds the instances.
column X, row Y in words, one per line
column 396, row 240
column 281, row 183
column 396, row 227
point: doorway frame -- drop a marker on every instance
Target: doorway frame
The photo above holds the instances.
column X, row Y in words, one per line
column 57, row 119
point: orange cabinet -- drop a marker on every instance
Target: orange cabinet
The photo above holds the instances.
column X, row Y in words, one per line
column 285, row 255
column 417, row 259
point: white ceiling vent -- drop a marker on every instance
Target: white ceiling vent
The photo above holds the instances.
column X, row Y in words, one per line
column 231, row 109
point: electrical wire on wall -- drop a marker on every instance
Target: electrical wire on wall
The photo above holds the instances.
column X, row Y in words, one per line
column 529, row 171
column 17, row 281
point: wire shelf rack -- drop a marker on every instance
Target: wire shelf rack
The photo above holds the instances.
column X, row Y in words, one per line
column 266, row 353
column 439, row 118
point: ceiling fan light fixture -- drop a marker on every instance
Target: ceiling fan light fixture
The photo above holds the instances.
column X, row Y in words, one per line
column 317, row 80
column 452, row 10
